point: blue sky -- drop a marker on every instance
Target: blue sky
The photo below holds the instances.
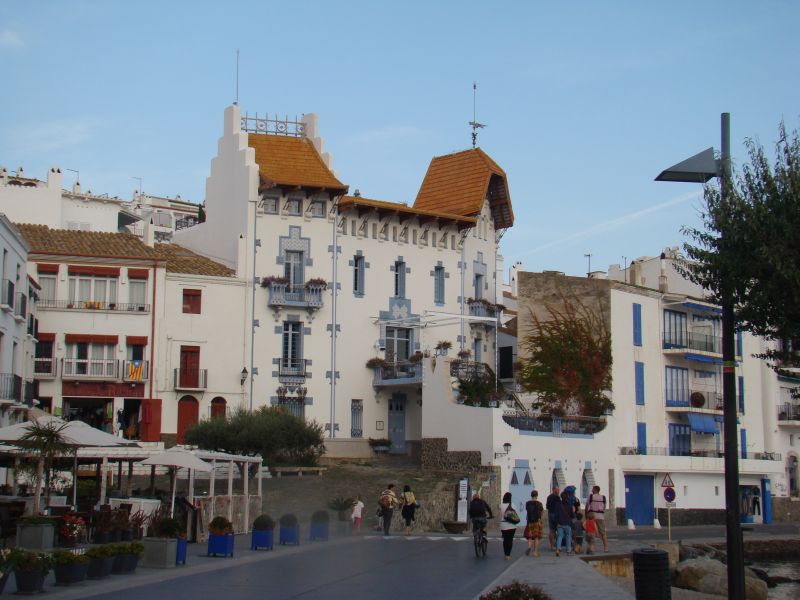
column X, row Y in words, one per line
column 586, row 102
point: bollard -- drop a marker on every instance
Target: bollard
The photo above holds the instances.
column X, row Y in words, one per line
column 651, row 574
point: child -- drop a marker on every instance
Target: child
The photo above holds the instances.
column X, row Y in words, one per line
column 577, row 533
column 356, row 516
column 590, row 527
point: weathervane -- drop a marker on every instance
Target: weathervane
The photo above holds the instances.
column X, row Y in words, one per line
column 474, row 123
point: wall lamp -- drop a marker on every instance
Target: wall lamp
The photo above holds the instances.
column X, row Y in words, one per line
column 506, row 450
column 243, row 376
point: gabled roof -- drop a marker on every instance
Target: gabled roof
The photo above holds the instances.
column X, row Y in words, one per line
column 403, row 211
column 291, row 162
column 183, row 260
column 459, row 183
column 44, row 240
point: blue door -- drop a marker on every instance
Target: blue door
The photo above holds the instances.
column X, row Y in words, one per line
column 521, row 484
column 397, row 424
column 639, row 499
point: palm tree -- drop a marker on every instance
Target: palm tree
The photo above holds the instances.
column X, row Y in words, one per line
column 45, row 439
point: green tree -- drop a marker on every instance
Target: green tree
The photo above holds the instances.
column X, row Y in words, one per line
column 568, row 361
column 269, row 432
column 750, row 246
column 46, row 441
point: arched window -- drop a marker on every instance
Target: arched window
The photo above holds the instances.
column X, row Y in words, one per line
column 218, row 407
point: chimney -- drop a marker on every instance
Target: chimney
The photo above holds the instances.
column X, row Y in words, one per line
column 76, row 187
column 149, row 237
column 662, row 278
column 3, row 173
column 54, row 178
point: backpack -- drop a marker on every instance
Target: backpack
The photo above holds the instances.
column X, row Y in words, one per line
column 385, row 501
column 511, row 516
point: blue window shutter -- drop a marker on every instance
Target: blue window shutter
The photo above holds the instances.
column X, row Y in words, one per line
column 637, row 324
column 641, row 437
column 741, row 394
column 738, row 343
column 639, row 372
column 743, row 442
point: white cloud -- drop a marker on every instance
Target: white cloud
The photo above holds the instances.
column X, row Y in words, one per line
column 610, row 225
column 49, row 136
column 10, row 39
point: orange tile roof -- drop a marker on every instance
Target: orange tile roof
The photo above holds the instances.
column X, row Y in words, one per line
column 183, row 260
column 356, row 202
column 460, row 182
column 44, row 240
column 291, row 161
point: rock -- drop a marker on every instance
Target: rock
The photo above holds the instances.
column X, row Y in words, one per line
column 687, row 552
column 762, row 575
column 774, row 580
column 711, row 577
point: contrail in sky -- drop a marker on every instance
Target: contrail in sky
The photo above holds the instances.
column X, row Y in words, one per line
column 615, row 223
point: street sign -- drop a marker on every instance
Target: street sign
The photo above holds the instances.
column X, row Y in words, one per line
column 667, row 482
column 671, row 504
column 669, row 495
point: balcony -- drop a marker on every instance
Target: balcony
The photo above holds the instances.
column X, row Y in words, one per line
column 655, row 451
column 695, row 399
column 21, row 308
column 292, row 370
column 29, row 393
column 10, row 387
column 283, row 295
column 7, row 295
column 468, row 369
column 190, row 379
column 789, row 414
column 650, row 459
column 135, row 370
column 399, row 373
column 90, row 369
column 44, row 368
column 93, row 305
column 698, row 342
column 557, row 426
column 33, row 326
column 481, row 308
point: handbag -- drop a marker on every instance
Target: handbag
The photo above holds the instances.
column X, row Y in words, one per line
column 511, row 516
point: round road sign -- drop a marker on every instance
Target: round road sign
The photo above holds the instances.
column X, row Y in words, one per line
column 669, row 494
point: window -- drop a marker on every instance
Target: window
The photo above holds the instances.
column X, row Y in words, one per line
column 399, row 279
column 438, row 285
column 398, row 344
column 90, row 359
column 676, row 386
column 271, row 206
column 741, row 394
column 48, row 283
column 191, row 301
column 218, row 408
column 293, row 268
column 43, row 362
column 639, row 387
column 162, row 219
column 680, row 440
column 637, row 324
column 738, row 343
column 356, row 418
column 476, row 349
column 293, row 206
column 135, row 351
column 414, row 236
column 90, row 288
column 675, row 329
column 137, row 291
column 358, row 275
column 292, row 352
column 317, row 208
column 743, row 441
column 641, row 437
column 478, row 286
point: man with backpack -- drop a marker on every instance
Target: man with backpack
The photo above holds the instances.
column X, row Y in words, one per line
column 387, row 501
column 596, row 504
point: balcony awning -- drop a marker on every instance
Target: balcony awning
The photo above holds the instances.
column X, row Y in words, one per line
column 702, row 358
column 701, row 423
column 703, row 307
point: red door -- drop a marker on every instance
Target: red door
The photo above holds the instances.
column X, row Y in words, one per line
column 188, row 415
column 190, row 367
column 218, row 407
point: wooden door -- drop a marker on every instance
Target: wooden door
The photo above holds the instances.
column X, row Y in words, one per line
column 190, row 367
column 188, row 415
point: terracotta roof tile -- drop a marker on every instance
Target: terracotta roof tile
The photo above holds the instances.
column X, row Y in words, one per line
column 183, row 260
column 460, row 182
column 44, row 240
column 356, row 202
column 291, row 161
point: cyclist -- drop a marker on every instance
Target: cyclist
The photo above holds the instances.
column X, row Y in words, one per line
column 479, row 512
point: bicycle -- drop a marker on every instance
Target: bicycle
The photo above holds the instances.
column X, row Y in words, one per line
column 479, row 538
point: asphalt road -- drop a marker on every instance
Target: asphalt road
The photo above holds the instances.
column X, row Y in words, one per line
column 370, row 568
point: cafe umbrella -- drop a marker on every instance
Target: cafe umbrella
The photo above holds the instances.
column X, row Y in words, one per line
column 177, row 458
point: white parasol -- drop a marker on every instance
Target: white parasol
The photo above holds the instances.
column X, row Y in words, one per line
column 177, row 458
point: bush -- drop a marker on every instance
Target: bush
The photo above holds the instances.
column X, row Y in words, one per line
column 136, row 548
column 321, row 516
column 288, row 520
column 379, row 442
column 36, row 520
column 516, row 591
column 103, row 551
column 25, row 560
column 220, row 526
column 168, row 528
column 263, row 523
column 340, row 503
column 62, row 557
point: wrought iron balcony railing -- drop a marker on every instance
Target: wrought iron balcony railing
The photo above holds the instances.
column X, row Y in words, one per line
column 688, row 452
column 105, row 369
column 93, row 305
column 556, row 425
column 44, row 368
column 398, row 373
column 292, row 369
column 190, row 379
column 135, row 370
column 700, row 342
column 10, row 387
column 303, row 296
column 789, row 411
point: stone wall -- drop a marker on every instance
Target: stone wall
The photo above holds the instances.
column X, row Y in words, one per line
column 435, row 456
column 785, row 509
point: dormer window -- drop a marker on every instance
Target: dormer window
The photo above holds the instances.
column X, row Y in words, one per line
column 271, row 206
column 317, row 209
column 293, row 206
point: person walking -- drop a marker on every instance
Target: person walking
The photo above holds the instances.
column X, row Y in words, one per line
column 409, row 507
column 564, row 515
column 590, row 527
column 357, row 514
column 550, row 504
column 387, row 502
column 533, row 523
column 596, row 504
column 508, row 526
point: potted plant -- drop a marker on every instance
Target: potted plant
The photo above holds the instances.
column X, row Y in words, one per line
column 320, row 526
column 464, row 354
column 289, row 530
column 126, row 557
column 102, row 521
column 69, row 568
column 380, row 445
column 71, row 530
column 137, row 521
column 316, row 282
column 36, row 533
column 416, row 357
column 30, row 569
column 273, row 279
column 262, row 534
column 100, row 561
column 220, row 537
column 375, row 362
column 121, row 527
column 161, row 547
column 46, row 440
column 5, row 568
column 341, row 505
column 442, row 347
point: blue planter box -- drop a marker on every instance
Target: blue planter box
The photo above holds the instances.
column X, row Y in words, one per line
column 319, row 531
column 180, row 552
column 290, row 535
column 261, row 540
column 220, row 545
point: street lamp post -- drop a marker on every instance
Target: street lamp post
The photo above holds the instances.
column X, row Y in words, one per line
column 700, row 169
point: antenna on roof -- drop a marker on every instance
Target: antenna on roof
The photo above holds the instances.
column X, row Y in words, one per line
column 237, row 77
column 139, row 179
column 474, row 123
